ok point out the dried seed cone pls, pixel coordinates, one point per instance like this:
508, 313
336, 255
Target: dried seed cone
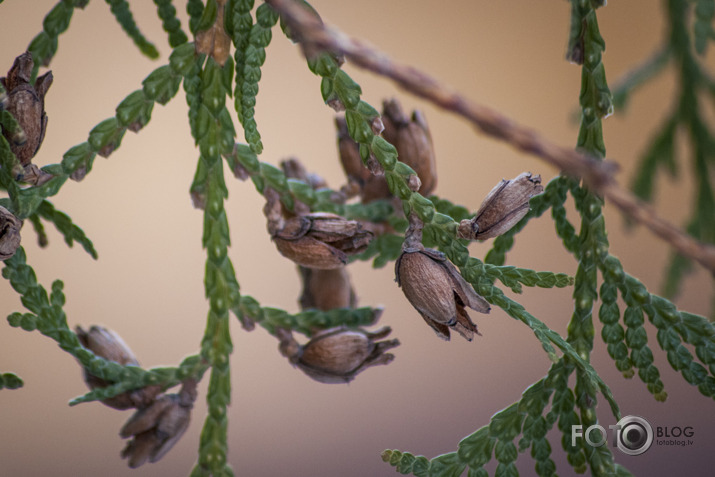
337, 355
110, 346
155, 429
26, 102
438, 292
505, 205
321, 240
9, 233
326, 289
413, 141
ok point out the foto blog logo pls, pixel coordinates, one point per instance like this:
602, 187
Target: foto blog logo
632, 435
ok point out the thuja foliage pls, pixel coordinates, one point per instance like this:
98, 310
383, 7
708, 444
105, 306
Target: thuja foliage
214, 82
690, 25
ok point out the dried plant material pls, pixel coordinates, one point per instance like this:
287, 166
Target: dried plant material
370, 182
439, 293
326, 289
321, 240
35, 176
239, 171
215, 41
413, 141
504, 206
337, 355
79, 173
198, 199
318, 240
9, 233
435, 287
26, 102
414, 183
155, 429
110, 346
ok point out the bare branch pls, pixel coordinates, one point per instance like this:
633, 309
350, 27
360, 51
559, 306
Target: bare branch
597, 175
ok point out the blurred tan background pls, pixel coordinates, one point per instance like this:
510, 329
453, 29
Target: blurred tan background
148, 282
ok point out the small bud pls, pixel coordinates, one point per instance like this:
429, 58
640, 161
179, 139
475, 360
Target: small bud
198, 199
377, 126
439, 293
156, 428
79, 173
9, 233
110, 346
414, 183
336, 105
412, 139
337, 355
504, 206
326, 289
321, 240
26, 102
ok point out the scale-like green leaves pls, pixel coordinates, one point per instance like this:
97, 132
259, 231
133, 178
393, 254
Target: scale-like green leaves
132, 113
64, 225
47, 316
44, 46
213, 131
170, 22
120, 10
250, 56
308, 321
689, 24
554, 401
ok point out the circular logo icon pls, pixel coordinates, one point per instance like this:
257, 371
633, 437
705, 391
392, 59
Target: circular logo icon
634, 435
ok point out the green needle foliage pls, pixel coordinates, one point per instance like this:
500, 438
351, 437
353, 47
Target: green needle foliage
568, 393
690, 32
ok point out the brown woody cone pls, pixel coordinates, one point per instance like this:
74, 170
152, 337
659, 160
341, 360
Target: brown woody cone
26, 102
110, 346
505, 205
9, 233
337, 355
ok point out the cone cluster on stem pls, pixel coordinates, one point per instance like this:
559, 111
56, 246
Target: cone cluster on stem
159, 420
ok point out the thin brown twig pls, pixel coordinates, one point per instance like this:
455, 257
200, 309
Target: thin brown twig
597, 175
